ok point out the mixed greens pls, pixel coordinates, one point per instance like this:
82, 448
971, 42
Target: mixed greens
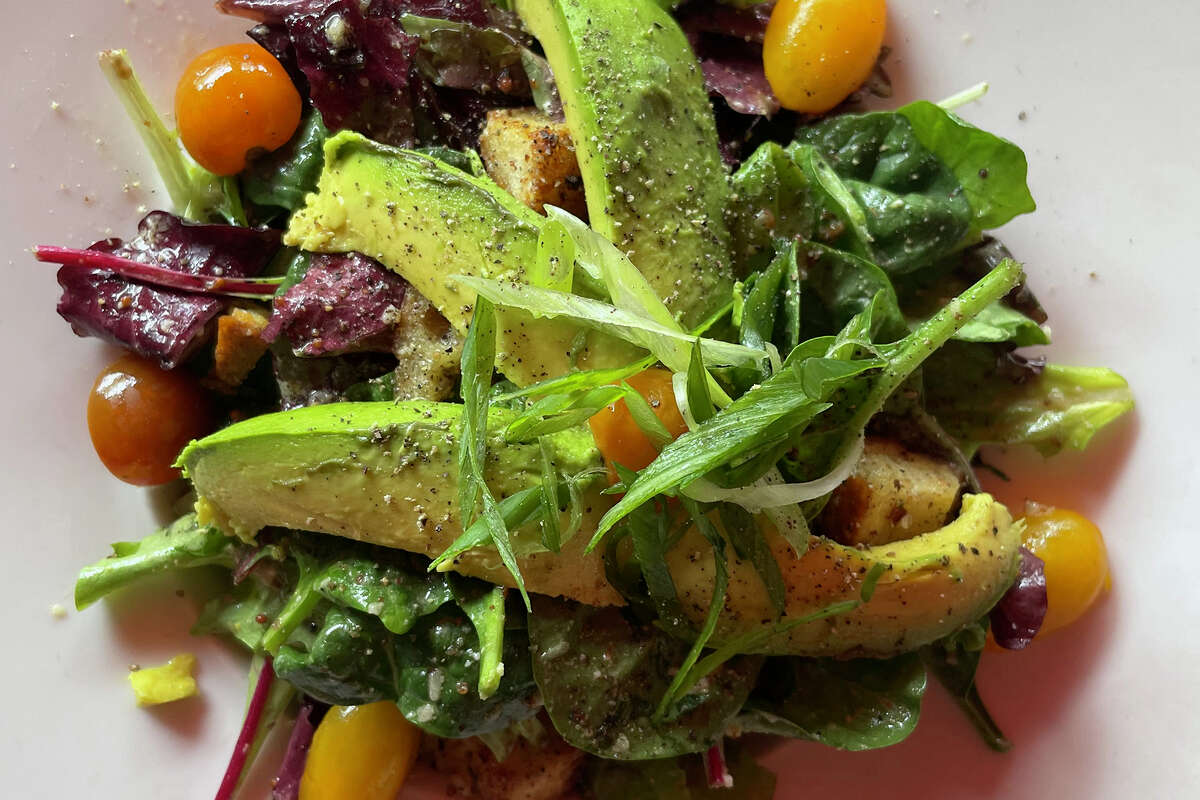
805, 285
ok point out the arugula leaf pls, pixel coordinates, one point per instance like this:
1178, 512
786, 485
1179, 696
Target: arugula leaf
478, 364
576, 648
183, 543
668, 343
982, 394
851, 705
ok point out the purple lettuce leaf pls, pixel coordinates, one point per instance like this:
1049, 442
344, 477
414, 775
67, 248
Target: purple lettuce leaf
345, 303
155, 322
364, 72
1018, 616
708, 16
742, 83
291, 770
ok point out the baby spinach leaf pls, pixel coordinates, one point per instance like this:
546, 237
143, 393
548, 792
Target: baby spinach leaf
183, 543
577, 648
396, 596
984, 394
244, 614
278, 181
772, 199
991, 170
838, 285
352, 659
852, 705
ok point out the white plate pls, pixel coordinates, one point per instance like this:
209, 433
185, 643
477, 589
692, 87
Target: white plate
1102, 100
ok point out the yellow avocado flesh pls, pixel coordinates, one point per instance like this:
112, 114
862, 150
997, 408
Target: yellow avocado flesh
428, 221
933, 585
386, 473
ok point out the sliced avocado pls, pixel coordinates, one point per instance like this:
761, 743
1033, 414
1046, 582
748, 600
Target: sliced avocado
386, 473
427, 221
933, 585
644, 132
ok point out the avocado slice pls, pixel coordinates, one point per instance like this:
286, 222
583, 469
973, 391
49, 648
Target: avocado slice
646, 139
386, 473
427, 220
933, 585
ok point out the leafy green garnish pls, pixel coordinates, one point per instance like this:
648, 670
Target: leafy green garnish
195, 192
478, 363
954, 661
279, 181
184, 543
851, 705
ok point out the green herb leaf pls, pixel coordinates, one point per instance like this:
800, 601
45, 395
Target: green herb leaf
485, 609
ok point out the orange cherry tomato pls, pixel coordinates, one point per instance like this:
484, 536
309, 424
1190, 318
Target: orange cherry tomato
619, 438
1076, 563
233, 101
360, 753
816, 52
140, 416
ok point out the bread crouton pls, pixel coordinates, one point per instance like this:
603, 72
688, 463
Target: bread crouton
894, 493
533, 158
239, 344
428, 351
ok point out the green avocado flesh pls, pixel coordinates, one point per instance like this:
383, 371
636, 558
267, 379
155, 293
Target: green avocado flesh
933, 584
386, 473
644, 132
428, 221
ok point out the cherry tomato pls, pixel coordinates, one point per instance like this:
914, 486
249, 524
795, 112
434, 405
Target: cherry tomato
140, 416
360, 753
619, 438
233, 101
817, 52
1076, 563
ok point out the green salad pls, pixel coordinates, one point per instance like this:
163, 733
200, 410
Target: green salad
573, 393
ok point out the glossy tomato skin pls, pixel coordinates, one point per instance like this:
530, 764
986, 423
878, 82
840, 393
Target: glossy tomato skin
619, 438
140, 416
233, 101
360, 753
1076, 560
816, 52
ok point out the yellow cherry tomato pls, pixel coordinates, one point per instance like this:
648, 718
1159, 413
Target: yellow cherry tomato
1076, 563
360, 753
233, 101
619, 438
817, 52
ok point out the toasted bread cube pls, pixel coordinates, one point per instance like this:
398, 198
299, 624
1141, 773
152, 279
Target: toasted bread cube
894, 493
533, 158
239, 344
428, 351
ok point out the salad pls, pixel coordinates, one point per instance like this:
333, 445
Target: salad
571, 393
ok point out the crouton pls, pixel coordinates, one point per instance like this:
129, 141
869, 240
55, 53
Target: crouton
544, 770
428, 351
533, 158
239, 345
893, 493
